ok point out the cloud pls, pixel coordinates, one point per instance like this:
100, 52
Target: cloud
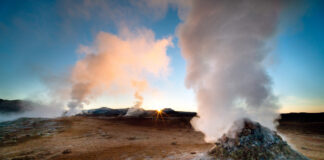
119, 64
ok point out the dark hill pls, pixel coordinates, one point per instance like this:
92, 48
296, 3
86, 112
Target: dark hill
302, 117
14, 106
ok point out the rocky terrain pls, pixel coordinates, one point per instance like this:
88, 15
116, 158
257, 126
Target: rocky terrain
166, 135
112, 138
23, 129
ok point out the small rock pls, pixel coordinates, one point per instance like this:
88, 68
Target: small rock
246, 132
174, 143
250, 125
131, 138
105, 135
224, 139
67, 151
192, 152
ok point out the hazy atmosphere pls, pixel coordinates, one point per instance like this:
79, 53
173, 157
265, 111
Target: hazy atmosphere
233, 74
44, 42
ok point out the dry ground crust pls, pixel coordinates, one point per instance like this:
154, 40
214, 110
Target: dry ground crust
307, 138
105, 138
114, 138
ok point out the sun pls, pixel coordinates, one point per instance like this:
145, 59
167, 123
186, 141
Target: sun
159, 114
159, 111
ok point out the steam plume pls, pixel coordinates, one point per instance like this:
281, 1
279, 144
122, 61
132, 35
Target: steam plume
118, 64
140, 87
139, 99
224, 43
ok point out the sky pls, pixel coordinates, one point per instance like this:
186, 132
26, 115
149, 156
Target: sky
40, 42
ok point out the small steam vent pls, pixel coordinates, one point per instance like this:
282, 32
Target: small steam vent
253, 141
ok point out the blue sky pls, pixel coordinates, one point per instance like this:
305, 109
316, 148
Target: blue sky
41, 38
298, 74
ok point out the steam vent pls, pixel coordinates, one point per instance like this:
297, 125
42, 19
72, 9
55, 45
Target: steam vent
254, 142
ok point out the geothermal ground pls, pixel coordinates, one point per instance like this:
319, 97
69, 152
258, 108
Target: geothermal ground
102, 137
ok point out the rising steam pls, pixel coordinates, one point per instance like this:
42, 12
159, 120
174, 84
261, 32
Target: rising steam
118, 64
224, 44
139, 99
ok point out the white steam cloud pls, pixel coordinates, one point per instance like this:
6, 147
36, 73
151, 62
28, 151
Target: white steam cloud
224, 44
118, 64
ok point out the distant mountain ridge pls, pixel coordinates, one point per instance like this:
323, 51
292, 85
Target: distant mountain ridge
285, 117
302, 117
14, 106
104, 111
19, 106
